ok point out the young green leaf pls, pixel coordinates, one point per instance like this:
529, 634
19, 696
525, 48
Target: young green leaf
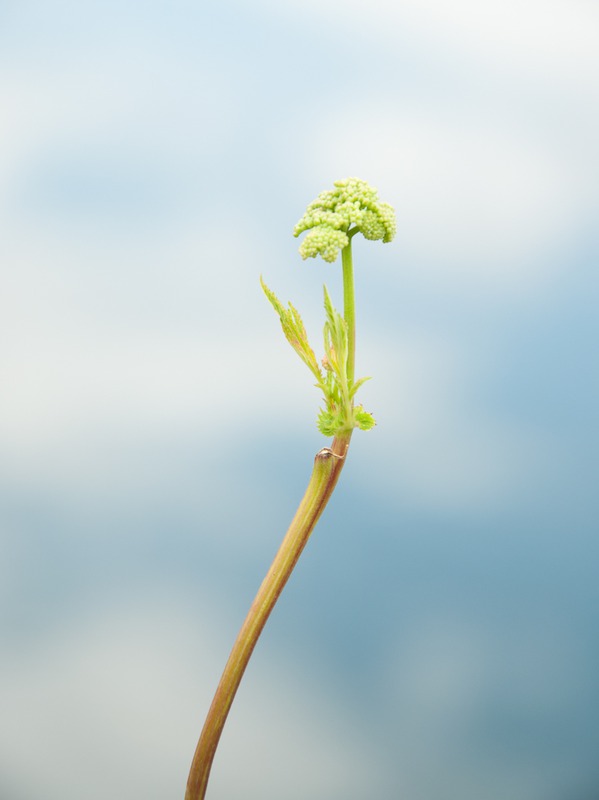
357, 385
363, 420
294, 331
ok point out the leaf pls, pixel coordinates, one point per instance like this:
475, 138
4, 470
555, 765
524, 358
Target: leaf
335, 336
338, 414
364, 421
294, 331
328, 423
357, 385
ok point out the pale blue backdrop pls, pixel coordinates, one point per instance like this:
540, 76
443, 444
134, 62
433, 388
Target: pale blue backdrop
440, 638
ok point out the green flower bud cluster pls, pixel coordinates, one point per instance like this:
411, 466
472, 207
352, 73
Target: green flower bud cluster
329, 219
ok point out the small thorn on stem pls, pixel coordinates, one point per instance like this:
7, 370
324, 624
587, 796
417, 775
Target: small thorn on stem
326, 452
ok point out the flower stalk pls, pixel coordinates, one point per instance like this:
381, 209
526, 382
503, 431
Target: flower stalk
349, 304
332, 220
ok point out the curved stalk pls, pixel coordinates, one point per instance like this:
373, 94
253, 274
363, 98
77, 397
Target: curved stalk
328, 464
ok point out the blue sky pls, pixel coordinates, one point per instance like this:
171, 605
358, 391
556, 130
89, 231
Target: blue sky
439, 638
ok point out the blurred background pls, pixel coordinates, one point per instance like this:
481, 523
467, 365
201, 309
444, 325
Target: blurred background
439, 638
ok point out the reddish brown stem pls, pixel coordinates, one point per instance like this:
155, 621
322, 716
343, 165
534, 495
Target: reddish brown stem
328, 464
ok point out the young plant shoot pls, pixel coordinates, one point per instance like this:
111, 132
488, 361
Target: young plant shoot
331, 222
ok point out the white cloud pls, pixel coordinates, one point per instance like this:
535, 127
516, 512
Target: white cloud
436, 447
124, 340
545, 40
111, 705
130, 99
93, 397
549, 40
478, 203
479, 124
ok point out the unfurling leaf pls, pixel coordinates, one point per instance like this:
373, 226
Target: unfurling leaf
294, 331
364, 420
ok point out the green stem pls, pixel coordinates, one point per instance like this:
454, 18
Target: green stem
349, 305
328, 464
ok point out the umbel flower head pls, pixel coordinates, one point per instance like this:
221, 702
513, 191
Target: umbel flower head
352, 206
